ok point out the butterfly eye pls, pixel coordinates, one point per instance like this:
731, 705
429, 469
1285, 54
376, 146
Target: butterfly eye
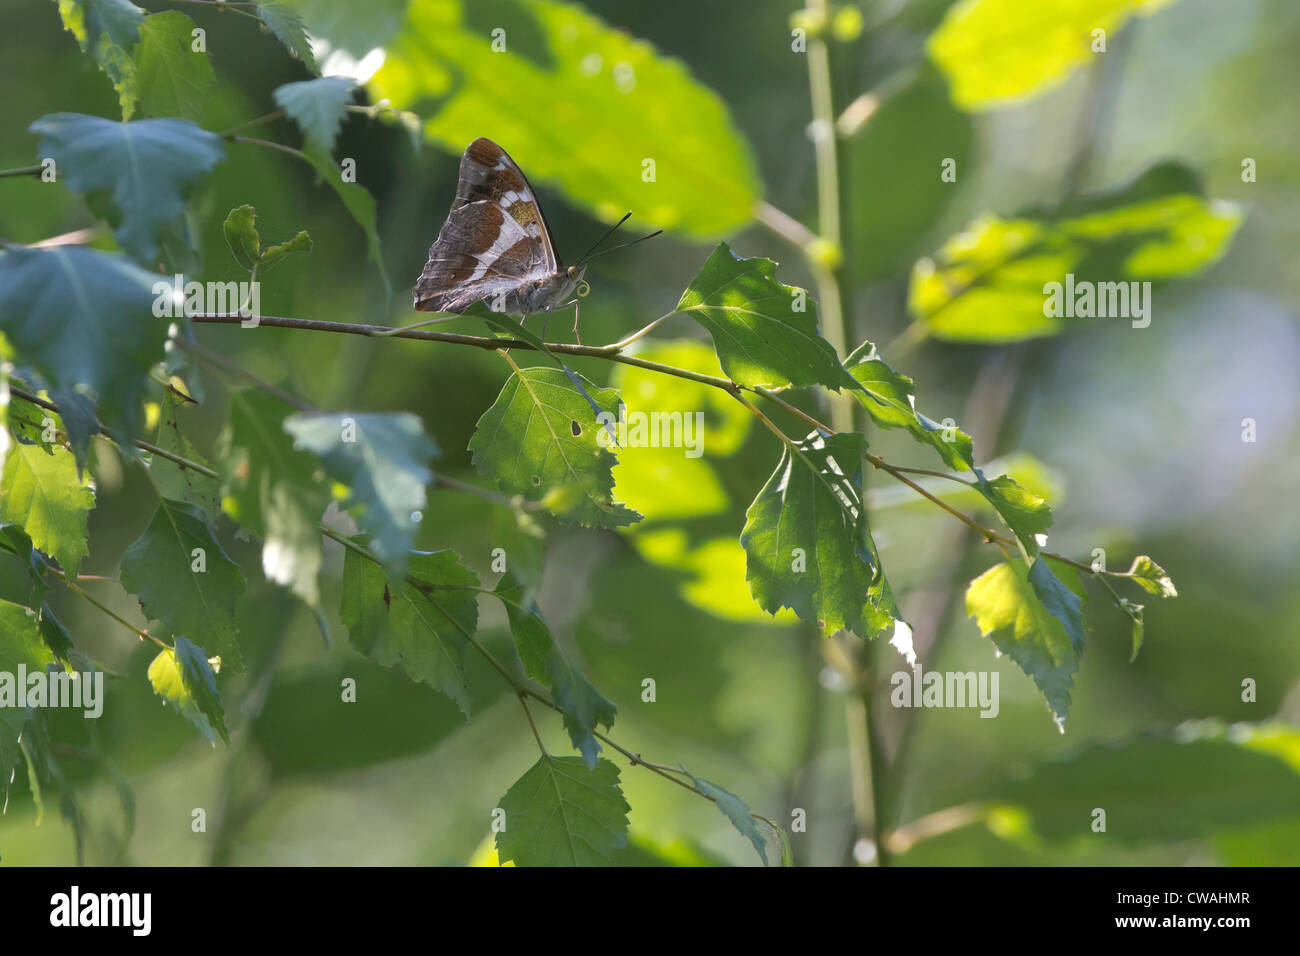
573, 273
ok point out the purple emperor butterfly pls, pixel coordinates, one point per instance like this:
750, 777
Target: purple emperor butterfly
496, 246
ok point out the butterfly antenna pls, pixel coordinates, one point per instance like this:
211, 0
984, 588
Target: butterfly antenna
611, 231
622, 245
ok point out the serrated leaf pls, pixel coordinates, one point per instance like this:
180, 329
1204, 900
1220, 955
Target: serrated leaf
1006, 605
272, 488
1151, 577
317, 107
83, 321
383, 458
146, 168
176, 481
582, 707
561, 813
539, 440
765, 333
808, 543
42, 493
625, 101
285, 23
108, 30
184, 579
20, 644
425, 629
184, 679
360, 206
735, 810
174, 79
997, 52
1049, 269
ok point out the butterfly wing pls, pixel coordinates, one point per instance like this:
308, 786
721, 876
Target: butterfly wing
481, 251
488, 173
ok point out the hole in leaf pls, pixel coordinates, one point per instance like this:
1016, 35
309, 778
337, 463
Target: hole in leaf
575, 427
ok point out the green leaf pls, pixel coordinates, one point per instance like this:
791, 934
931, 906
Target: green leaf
426, 629
383, 458
274, 255
1011, 606
174, 79
317, 107
1151, 577
808, 543
765, 333
625, 102
540, 440
83, 320
735, 810
581, 705
176, 481
360, 206
245, 242
108, 30
285, 23
272, 489
997, 52
1003, 280
1202, 779
184, 579
146, 169
20, 643
42, 492
560, 813
240, 229
184, 678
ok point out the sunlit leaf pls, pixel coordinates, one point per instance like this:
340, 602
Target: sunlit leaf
1045, 270
540, 440
317, 107
809, 544
183, 677
765, 332
565, 77
42, 492
108, 30
998, 51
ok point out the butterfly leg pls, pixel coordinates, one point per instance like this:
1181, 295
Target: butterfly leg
576, 314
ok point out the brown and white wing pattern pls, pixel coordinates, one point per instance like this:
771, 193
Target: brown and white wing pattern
488, 173
495, 245
481, 253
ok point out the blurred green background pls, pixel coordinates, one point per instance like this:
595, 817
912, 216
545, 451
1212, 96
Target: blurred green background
1141, 431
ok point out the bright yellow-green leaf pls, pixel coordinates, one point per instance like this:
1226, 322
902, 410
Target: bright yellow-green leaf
577, 104
42, 492
999, 51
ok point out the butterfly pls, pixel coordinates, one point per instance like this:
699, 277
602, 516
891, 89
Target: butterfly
496, 246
